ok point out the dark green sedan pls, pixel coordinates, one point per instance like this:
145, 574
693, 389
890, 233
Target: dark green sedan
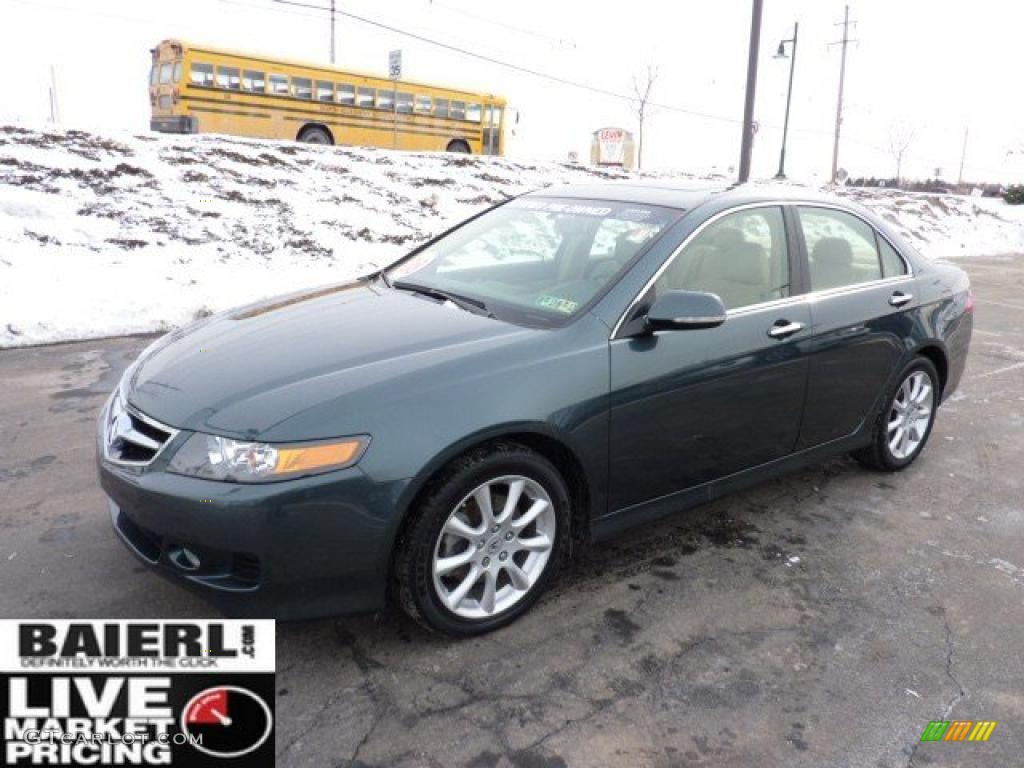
565, 365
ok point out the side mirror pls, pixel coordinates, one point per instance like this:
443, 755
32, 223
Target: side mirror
685, 310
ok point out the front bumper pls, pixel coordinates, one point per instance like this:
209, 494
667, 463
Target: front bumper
302, 548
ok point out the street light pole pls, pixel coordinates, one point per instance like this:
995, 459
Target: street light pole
747, 145
789, 95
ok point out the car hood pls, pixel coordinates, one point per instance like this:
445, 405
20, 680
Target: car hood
300, 367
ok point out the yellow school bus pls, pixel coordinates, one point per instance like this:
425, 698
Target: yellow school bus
194, 89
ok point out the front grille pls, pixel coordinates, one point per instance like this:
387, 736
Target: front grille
130, 437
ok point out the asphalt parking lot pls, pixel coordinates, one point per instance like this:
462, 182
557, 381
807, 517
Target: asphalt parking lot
819, 620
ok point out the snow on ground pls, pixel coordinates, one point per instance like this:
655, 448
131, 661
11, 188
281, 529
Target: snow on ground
112, 234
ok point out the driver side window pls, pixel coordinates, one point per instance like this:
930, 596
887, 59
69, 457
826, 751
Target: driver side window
741, 257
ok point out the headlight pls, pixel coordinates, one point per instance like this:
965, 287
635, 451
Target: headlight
220, 458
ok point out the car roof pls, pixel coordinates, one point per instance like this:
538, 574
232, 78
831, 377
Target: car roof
687, 194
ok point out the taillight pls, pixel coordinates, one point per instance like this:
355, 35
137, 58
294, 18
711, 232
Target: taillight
175, 95
152, 97
970, 300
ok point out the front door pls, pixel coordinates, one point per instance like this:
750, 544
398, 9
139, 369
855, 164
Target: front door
692, 406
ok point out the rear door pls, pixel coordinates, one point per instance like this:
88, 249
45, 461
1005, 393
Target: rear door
692, 406
861, 293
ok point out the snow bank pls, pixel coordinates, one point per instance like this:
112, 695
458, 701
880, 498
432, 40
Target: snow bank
112, 234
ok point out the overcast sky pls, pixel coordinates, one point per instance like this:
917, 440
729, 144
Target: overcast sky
932, 67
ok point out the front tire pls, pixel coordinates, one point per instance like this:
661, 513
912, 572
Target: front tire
485, 542
905, 423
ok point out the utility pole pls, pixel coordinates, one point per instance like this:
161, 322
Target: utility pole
842, 79
747, 144
54, 104
332, 11
963, 156
332, 31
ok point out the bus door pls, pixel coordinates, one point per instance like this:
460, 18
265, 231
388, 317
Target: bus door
492, 129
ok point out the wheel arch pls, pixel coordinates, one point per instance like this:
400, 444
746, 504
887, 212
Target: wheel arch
459, 143
938, 356
322, 126
541, 438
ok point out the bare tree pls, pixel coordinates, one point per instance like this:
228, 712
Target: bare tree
642, 94
901, 136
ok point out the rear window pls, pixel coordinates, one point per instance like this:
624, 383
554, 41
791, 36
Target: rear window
165, 73
177, 72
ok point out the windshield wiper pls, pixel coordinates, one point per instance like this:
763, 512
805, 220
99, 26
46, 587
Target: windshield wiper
463, 302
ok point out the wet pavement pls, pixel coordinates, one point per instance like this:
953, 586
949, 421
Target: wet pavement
821, 619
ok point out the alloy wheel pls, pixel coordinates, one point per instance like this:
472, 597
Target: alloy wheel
494, 547
910, 415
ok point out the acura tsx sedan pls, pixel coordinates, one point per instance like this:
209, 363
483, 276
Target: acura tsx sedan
563, 366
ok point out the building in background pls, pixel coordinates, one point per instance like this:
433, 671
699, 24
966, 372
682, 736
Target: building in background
613, 146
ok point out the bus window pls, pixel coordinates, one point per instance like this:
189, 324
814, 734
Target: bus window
229, 77
473, 113
201, 74
324, 91
279, 84
458, 110
165, 74
384, 99
364, 97
403, 102
177, 72
424, 104
346, 94
252, 80
302, 88
441, 107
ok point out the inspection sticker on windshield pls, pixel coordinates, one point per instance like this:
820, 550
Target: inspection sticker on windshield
137, 693
568, 306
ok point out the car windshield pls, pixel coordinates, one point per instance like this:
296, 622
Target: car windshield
535, 260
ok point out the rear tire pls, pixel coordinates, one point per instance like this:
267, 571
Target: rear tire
315, 135
503, 563
458, 146
904, 424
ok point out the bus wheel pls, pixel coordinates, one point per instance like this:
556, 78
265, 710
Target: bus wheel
458, 146
315, 135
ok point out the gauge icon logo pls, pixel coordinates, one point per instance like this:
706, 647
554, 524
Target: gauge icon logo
227, 721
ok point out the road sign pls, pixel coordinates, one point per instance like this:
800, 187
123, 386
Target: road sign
395, 65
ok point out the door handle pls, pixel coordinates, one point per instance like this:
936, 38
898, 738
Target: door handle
900, 298
784, 328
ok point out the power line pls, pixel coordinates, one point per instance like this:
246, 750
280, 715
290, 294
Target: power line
506, 64
501, 24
